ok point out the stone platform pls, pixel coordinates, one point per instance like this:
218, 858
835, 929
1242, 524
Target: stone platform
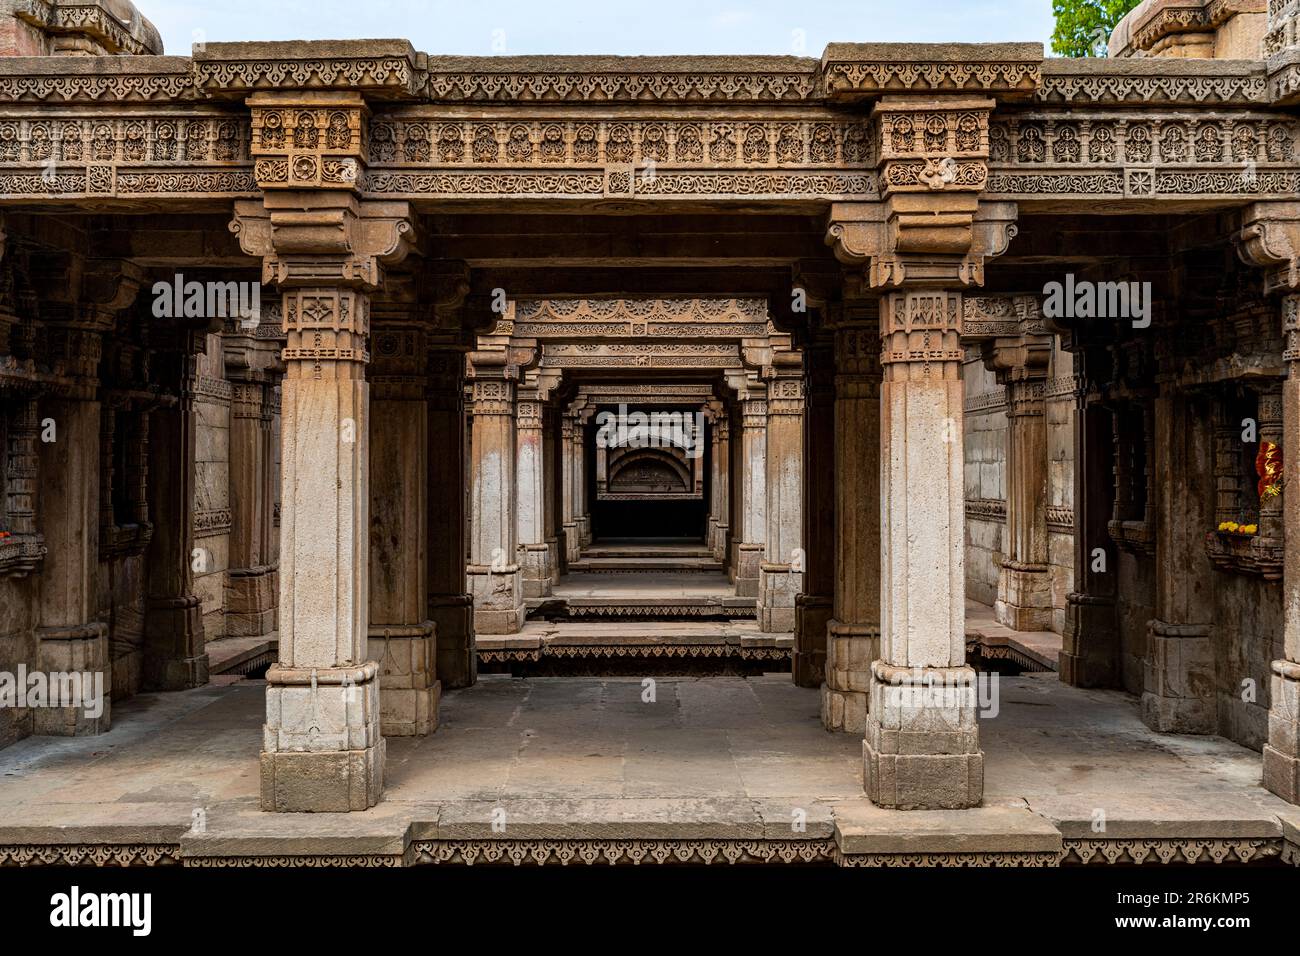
715, 770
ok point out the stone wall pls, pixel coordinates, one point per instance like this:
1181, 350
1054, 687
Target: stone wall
1196, 29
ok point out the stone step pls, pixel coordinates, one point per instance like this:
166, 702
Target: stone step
664, 565
644, 607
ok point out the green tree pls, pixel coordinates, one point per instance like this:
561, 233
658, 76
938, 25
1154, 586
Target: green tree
1084, 26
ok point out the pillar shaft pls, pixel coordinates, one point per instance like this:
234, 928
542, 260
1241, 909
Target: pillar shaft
1178, 678
753, 501
1282, 752
1024, 601
1090, 644
530, 503
323, 749
721, 488
853, 641
781, 572
451, 608
494, 573
252, 578
813, 608
174, 655
922, 744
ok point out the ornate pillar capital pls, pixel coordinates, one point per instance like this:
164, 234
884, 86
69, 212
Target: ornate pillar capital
1270, 238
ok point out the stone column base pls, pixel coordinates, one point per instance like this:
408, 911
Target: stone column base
850, 650
720, 533
250, 601
1024, 601
80, 649
322, 748
453, 616
812, 614
922, 744
749, 560
778, 587
536, 569
1178, 684
498, 599
584, 530
1282, 752
1090, 642
173, 628
409, 690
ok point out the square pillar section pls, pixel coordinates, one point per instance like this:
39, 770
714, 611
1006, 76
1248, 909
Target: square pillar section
324, 247
753, 463
530, 474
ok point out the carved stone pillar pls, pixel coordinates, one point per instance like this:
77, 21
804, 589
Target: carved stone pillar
568, 478
552, 489
252, 579
174, 656
81, 301
451, 608
922, 743
1090, 644
1178, 683
70, 639
781, 572
814, 607
853, 641
403, 640
530, 497
753, 479
1024, 601
581, 481
325, 248
494, 574
1282, 752
721, 540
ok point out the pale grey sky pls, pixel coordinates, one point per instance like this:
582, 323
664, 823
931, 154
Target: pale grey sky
630, 27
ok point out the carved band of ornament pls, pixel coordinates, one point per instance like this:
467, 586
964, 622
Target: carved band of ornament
1210, 850
210, 523
1060, 519
643, 310
1064, 386
878, 77
1098, 156
986, 402
114, 88
619, 183
465, 86
345, 73
213, 390
398, 141
692, 391
986, 509
1088, 87
932, 174
85, 138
